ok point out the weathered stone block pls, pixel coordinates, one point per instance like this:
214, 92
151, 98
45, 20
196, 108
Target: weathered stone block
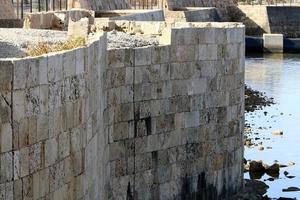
143, 56
51, 151
161, 54
63, 145
79, 28
6, 75
6, 168
6, 137
207, 52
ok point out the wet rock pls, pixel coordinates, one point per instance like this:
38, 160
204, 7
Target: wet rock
291, 189
255, 100
248, 142
256, 166
277, 132
273, 170
290, 177
261, 148
253, 190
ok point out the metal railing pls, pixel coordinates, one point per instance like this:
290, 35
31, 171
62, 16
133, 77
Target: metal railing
270, 2
28, 6
146, 4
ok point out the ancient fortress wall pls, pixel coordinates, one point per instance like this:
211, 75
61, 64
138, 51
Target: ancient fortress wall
6, 10
52, 138
161, 122
175, 116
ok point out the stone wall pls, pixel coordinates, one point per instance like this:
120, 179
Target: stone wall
221, 5
192, 15
162, 122
6, 10
284, 20
99, 4
175, 116
51, 128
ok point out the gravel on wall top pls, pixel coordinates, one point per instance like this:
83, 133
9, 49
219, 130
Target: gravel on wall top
118, 40
14, 41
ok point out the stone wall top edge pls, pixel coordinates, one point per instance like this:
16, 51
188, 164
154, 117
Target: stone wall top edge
63, 11
179, 25
129, 11
183, 24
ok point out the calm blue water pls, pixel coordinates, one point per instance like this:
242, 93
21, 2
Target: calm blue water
279, 77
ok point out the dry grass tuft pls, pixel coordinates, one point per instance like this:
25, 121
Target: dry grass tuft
44, 48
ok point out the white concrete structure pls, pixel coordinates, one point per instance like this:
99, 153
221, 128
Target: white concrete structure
273, 43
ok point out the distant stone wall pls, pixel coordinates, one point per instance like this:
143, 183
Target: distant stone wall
284, 20
161, 122
221, 5
269, 19
99, 4
6, 10
192, 15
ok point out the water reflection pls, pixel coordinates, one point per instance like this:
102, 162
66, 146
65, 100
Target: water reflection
279, 77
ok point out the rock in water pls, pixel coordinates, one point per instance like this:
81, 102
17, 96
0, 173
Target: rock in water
291, 189
256, 166
273, 170
277, 132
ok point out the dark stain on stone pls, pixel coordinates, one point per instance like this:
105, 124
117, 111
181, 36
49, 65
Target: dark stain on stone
155, 192
129, 195
204, 191
148, 125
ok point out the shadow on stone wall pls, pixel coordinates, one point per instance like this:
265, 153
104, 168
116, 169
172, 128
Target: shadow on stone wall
252, 28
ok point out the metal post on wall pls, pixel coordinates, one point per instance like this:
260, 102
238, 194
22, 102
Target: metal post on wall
46, 5
39, 5
18, 8
30, 5
22, 9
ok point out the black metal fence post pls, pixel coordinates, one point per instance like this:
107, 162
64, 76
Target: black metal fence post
22, 9
39, 5
46, 5
30, 6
